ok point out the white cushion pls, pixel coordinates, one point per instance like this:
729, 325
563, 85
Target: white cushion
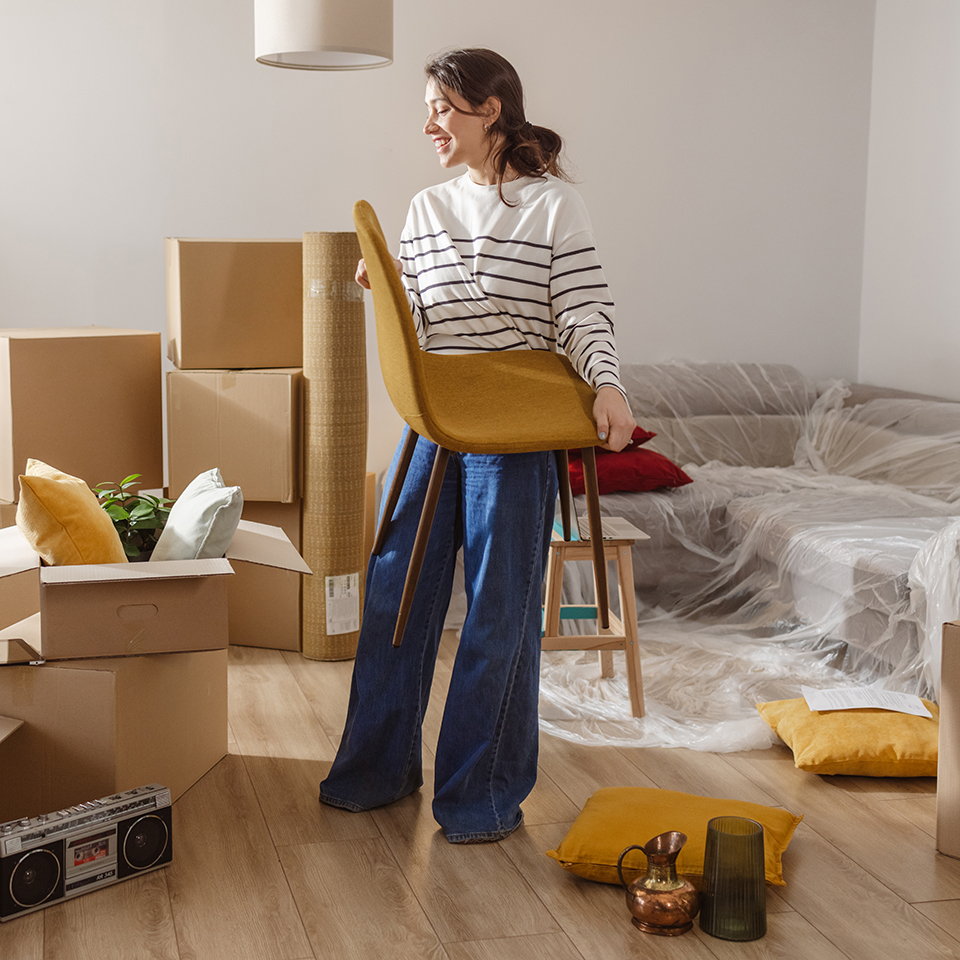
202, 521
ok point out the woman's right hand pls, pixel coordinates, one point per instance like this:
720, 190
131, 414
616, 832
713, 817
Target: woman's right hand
361, 275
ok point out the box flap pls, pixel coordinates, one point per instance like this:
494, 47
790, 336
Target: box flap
16, 554
149, 570
7, 726
266, 545
27, 631
70, 333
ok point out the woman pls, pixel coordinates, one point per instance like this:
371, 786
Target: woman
501, 258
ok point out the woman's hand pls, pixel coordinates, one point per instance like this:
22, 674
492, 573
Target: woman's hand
361, 275
615, 422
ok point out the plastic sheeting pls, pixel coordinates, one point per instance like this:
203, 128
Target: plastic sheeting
819, 544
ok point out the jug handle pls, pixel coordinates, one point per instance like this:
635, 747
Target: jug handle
620, 863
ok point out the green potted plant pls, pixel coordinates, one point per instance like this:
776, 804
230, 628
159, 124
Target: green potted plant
139, 518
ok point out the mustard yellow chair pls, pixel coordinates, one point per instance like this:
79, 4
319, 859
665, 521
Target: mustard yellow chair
514, 401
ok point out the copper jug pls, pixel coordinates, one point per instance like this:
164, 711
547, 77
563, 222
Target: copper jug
660, 901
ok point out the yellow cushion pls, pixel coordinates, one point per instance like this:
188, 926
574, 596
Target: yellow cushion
865, 743
62, 519
614, 818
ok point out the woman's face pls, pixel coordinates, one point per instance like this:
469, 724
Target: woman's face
458, 134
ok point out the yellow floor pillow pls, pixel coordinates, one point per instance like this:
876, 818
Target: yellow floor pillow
616, 817
861, 742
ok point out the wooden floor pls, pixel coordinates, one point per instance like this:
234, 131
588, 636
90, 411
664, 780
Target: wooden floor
262, 871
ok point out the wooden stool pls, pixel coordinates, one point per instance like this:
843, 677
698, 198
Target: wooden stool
618, 539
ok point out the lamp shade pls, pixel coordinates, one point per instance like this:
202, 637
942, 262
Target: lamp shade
324, 34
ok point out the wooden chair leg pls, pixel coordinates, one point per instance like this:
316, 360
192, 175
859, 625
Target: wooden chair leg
563, 475
393, 495
420, 543
592, 490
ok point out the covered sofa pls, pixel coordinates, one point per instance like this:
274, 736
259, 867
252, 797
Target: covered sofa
828, 511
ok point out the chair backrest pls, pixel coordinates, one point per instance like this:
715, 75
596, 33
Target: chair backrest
401, 359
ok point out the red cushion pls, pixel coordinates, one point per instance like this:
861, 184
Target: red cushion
630, 471
638, 436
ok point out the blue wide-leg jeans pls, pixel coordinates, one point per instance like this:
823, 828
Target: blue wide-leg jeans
500, 509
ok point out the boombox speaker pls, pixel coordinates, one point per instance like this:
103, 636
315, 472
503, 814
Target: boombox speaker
55, 856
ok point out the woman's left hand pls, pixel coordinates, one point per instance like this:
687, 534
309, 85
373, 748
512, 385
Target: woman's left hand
615, 423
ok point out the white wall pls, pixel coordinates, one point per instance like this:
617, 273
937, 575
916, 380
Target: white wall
911, 287
720, 145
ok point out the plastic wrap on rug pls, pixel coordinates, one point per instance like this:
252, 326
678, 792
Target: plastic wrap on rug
818, 543
335, 445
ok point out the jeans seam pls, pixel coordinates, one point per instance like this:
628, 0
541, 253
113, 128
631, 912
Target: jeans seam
535, 563
428, 618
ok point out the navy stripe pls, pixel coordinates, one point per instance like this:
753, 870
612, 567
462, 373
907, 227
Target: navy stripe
574, 253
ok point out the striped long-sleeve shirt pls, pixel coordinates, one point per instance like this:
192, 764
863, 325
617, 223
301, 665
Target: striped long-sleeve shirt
482, 275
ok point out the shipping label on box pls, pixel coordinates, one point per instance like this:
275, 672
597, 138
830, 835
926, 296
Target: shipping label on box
235, 304
86, 400
248, 423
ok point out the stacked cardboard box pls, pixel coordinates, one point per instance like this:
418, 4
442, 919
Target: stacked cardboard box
105, 712
235, 334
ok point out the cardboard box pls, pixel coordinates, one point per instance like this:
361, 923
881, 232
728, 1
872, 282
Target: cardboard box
265, 602
86, 400
94, 727
246, 422
124, 609
19, 582
235, 304
948, 765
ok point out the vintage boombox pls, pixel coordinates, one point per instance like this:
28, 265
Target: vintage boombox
55, 856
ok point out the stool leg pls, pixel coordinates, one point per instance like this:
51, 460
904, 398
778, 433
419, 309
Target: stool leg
631, 645
596, 535
563, 475
396, 485
552, 593
420, 543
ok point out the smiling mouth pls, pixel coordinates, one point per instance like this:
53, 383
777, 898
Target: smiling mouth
441, 142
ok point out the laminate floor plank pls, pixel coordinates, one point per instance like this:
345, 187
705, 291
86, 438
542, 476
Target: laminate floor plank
230, 897
447, 878
545, 946
23, 937
286, 752
945, 914
855, 911
579, 770
920, 811
356, 903
86, 927
326, 686
862, 828
692, 771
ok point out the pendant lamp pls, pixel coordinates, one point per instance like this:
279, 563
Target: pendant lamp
324, 34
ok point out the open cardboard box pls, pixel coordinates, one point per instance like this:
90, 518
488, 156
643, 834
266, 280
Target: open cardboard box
79, 730
124, 609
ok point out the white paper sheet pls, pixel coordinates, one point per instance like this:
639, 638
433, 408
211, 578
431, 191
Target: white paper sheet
859, 698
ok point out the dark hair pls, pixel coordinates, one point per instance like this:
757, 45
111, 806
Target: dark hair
475, 74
